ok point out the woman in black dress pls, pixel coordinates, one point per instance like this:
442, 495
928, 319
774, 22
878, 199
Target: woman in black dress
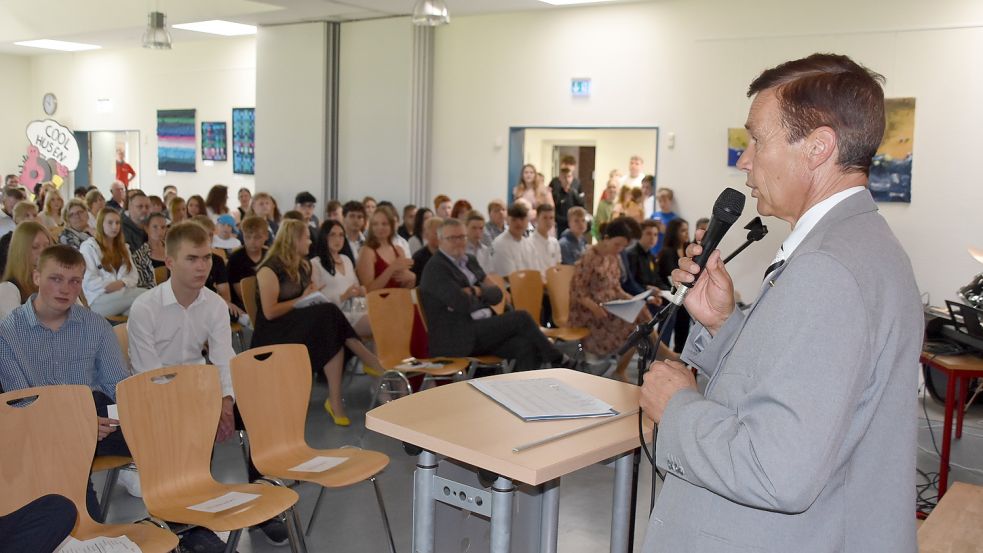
674, 248
283, 278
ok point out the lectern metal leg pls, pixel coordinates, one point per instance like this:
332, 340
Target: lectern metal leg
424, 506
551, 516
501, 519
622, 504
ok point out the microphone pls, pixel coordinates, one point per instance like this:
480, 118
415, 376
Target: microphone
726, 210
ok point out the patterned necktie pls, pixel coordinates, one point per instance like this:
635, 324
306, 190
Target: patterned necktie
778, 262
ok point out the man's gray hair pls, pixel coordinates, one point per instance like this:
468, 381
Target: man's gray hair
447, 223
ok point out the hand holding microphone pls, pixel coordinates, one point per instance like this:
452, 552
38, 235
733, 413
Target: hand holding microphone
711, 299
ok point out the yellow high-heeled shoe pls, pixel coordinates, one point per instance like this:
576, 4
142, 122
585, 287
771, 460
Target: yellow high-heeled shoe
339, 421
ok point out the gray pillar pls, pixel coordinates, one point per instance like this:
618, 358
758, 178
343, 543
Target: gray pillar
421, 115
332, 76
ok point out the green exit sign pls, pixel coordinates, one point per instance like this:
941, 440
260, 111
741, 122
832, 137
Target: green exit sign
580, 88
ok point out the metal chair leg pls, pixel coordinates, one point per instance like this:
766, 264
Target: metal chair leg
385, 517
230, 546
244, 444
317, 509
297, 542
107, 490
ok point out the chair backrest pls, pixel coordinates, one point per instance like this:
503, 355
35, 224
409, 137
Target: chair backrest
497, 280
558, 282
169, 416
391, 319
124, 344
527, 292
249, 297
273, 389
47, 446
160, 275
221, 253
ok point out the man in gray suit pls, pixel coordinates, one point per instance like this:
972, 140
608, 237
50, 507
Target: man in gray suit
804, 439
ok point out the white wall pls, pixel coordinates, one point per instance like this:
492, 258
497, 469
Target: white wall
212, 76
684, 66
18, 104
374, 127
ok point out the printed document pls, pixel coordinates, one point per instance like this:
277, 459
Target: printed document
224, 502
319, 464
538, 399
627, 310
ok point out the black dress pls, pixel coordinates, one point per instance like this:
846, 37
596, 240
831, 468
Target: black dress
323, 328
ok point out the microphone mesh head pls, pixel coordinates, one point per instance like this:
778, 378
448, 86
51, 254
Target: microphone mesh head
729, 205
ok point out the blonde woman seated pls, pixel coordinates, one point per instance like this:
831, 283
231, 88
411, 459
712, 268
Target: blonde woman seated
26, 244
50, 216
596, 280
76, 224
335, 275
284, 278
380, 263
111, 278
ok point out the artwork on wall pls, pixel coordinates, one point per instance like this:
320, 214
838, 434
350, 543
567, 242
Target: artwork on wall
213, 141
890, 172
244, 140
736, 144
176, 140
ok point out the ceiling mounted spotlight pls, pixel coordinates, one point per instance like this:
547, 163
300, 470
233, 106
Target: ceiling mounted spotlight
156, 35
430, 13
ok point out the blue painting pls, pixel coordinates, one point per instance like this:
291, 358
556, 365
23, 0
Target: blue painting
176, 140
890, 172
244, 141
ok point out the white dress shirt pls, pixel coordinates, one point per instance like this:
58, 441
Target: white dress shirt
6, 223
333, 286
164, 333
97, 277
510, 254
401, 243
9, 298
809, 219
483, 254
648, 206
634, 182
545, 252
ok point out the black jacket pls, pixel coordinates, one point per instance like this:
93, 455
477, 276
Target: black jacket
448, 307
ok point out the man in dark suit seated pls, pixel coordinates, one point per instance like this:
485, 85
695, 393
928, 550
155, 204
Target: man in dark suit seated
456, 298
641, 262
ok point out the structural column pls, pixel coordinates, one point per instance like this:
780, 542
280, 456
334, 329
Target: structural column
421, 115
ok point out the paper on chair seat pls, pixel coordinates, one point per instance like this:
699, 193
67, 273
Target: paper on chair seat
101, 544
223, 502
538, 399
319, 464
627, 310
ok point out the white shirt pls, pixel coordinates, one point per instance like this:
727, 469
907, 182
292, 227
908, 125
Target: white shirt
97, 278
402, 244
510, 254
9, 298
483, 254
648, 206
809, 220
545, 252
229, 243
333, 286
164, 333
414, 244
634, 182
356, 245
6, 223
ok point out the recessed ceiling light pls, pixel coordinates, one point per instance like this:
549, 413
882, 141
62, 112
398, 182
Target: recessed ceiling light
58, 45
218, 27
573, 2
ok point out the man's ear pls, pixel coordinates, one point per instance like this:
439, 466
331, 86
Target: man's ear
820, 146
36, 277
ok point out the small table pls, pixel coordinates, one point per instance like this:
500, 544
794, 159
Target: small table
459, 422
959, 369
954, 526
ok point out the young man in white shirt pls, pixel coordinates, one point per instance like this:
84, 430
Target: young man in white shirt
544, 248
511, 248
475, 229
354, 222
635, 172
172, 323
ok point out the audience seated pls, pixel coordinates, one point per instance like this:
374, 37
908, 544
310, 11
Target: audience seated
265, 206
76, 219
496, 222
94, 203
50, 339
29, 239
177, 210
12, 195
245, 197
674, 248
216, 202
50, 215
153, 249
370, 206
409, 217
335, 275
419, 220
460, 210
111, 278
457, 297
511, 251
397, 240
135, 220
306, 204
40, 526
225, 231
117, 199
354, 214
23, 211
442, 206
333, 210
544, 249
596, 280
574, 239
284, 277
642, 263
430, 246
218, 276
195, 206
475, 222
380, 263
242, 262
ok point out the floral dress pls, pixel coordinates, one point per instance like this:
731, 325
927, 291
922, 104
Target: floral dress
598, 278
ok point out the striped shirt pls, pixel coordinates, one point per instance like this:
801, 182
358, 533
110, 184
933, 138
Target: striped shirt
83, 351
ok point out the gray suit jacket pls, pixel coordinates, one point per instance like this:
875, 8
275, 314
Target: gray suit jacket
805, 438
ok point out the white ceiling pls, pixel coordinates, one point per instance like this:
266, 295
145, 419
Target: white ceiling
120, 23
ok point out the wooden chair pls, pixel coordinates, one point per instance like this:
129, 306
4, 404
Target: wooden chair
124, 345
526, 288
391, 319
496, 279
273, 389
161, 274
47, 449
221, 253
249, 297
558, 280
476, 360
169, 417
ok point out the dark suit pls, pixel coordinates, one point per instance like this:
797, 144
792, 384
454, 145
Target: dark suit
644, 268
134, 235
448, 308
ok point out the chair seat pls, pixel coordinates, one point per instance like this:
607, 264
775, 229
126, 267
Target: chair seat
359, 466
236, 327
487, 359
567, 334
272, 501
109, 462
149, 538
453, 366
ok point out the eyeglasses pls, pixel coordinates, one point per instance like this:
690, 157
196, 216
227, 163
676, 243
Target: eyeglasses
456, 237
